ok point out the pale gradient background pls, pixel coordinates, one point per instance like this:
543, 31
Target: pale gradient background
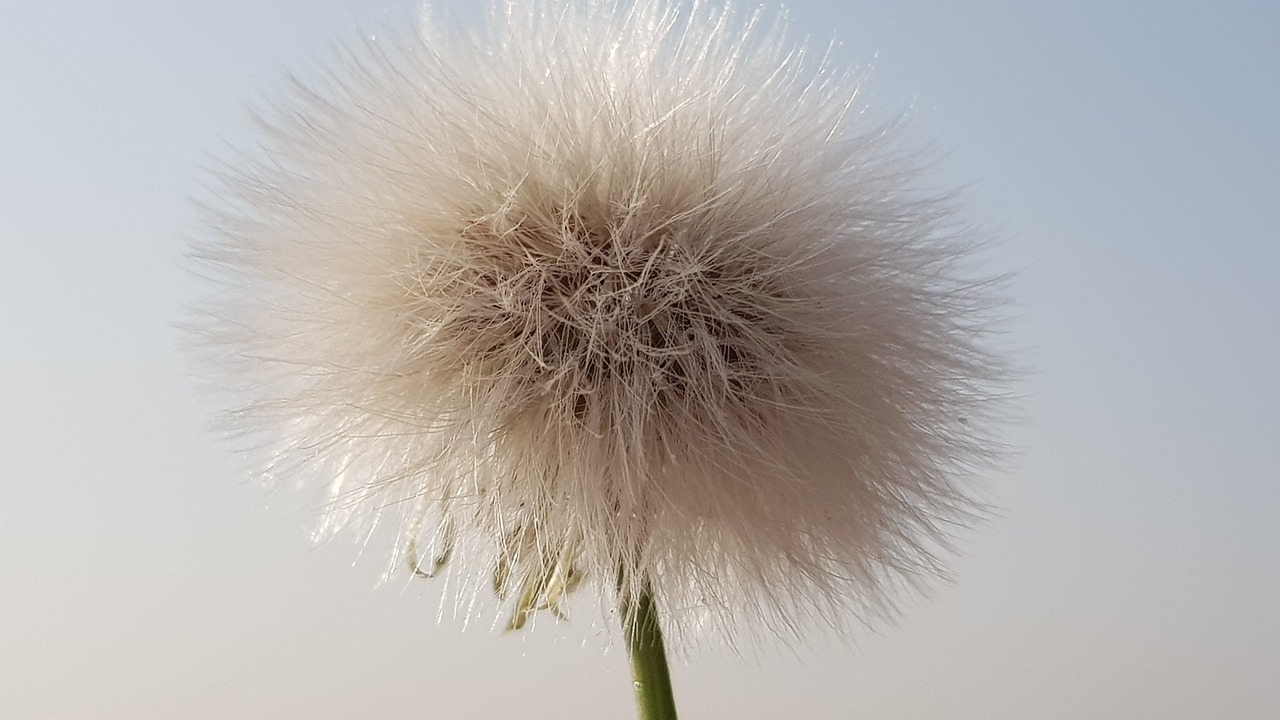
1129, 156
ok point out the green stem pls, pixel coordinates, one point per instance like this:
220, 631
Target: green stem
648, 658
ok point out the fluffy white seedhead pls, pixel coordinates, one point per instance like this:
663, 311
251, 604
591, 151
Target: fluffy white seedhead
617, 296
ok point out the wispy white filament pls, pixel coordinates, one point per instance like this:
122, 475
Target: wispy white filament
604, 291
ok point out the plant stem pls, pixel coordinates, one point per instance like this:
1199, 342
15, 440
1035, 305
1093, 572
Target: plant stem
648, 658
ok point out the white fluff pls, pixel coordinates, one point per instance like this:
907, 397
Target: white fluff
610, 291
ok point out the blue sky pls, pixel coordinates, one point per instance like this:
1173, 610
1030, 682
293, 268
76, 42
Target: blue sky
1124, 154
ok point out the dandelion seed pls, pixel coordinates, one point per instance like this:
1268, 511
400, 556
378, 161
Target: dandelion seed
610, 297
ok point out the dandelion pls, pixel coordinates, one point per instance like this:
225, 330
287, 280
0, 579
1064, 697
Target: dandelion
609, 297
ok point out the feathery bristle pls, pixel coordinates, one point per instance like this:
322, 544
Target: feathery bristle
611, 291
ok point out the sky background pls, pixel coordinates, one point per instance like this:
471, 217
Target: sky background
1125, 154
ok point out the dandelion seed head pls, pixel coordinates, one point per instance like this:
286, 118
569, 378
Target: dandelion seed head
610, 291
